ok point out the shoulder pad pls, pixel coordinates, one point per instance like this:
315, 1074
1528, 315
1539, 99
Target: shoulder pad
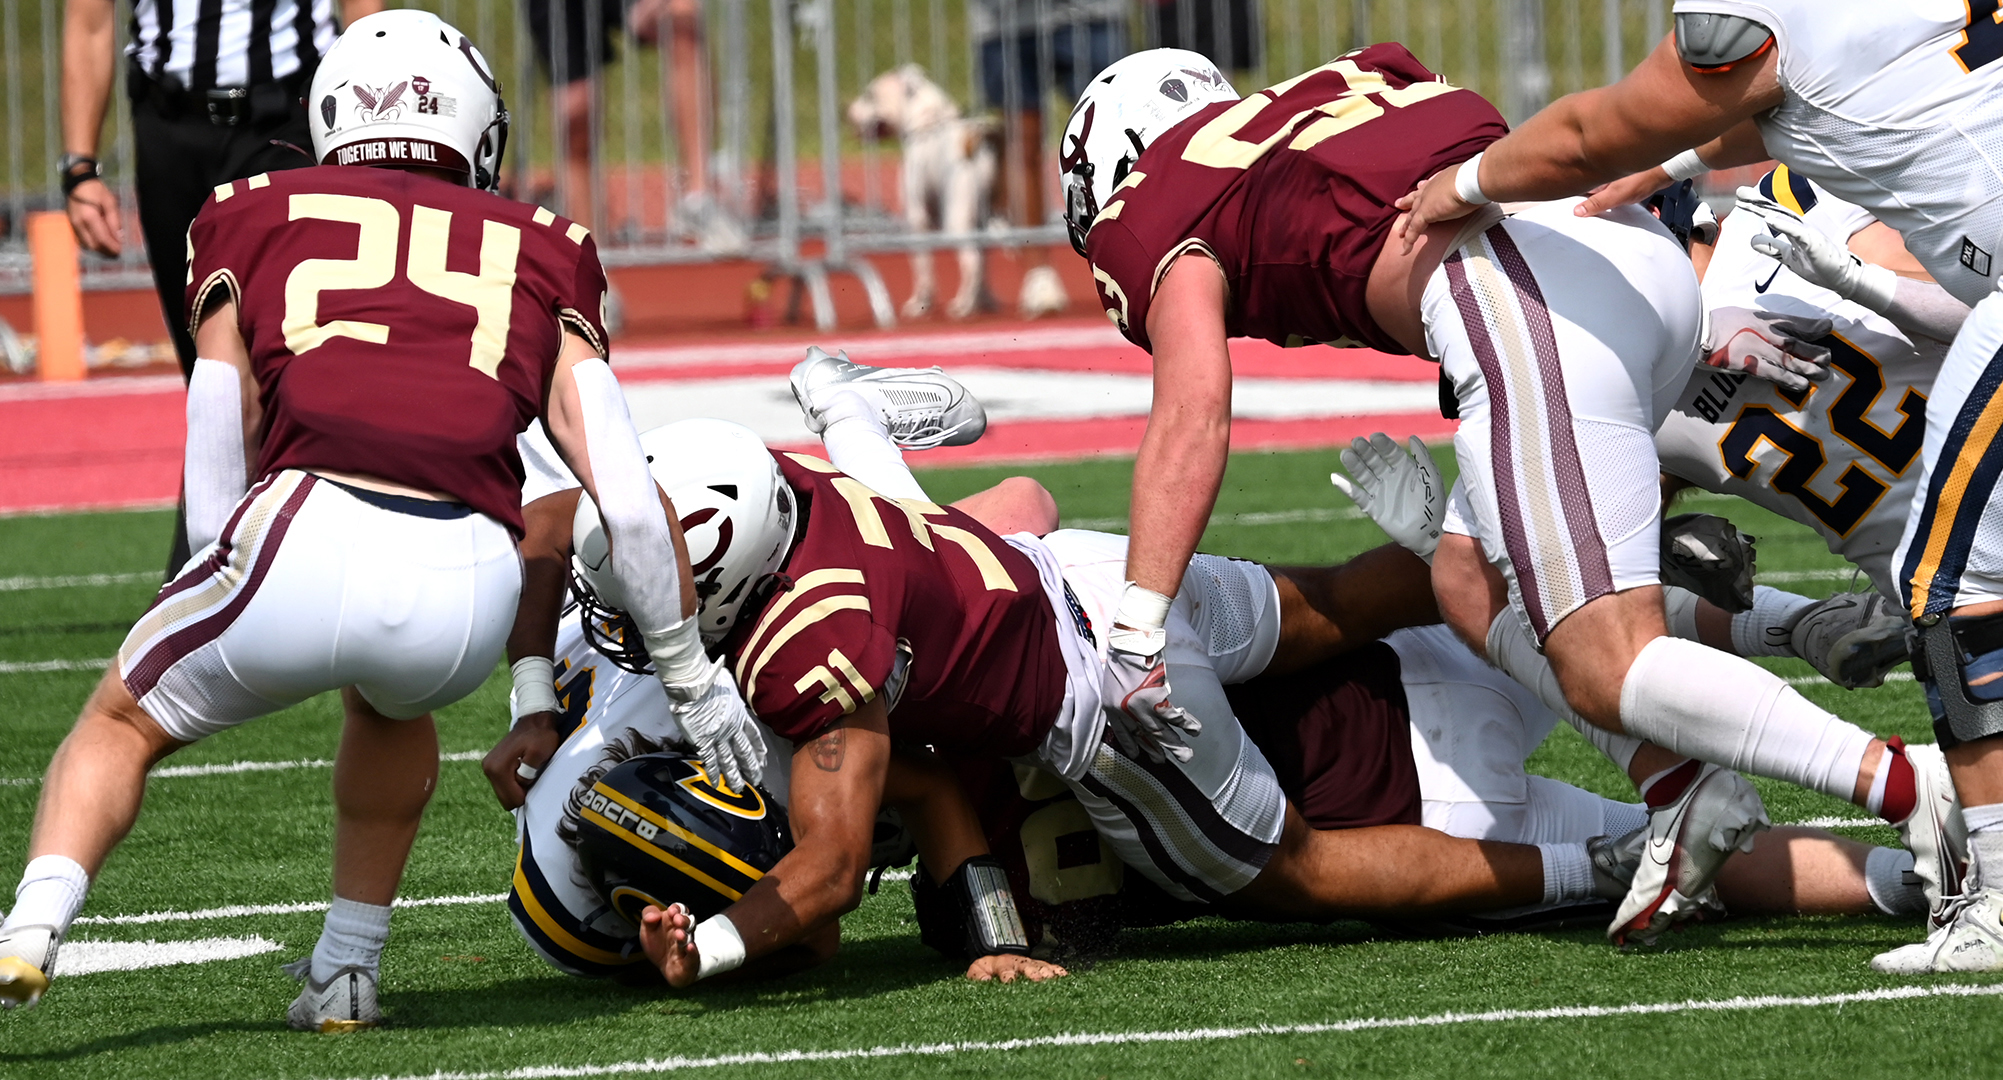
1711, 42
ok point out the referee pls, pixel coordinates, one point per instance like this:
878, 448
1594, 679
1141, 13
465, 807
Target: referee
216, 88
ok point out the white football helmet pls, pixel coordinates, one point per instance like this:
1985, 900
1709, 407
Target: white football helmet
737, 520
403, 87
1126, 107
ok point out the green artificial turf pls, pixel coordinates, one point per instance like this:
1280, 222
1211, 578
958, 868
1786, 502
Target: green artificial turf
467, 996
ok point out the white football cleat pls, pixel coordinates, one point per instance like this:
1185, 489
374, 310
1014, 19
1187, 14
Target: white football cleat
1615, 859
27, 960
923, 407
1934, 832
1970, 939
1042, 293
1853, 639
346, 1002
1688, 842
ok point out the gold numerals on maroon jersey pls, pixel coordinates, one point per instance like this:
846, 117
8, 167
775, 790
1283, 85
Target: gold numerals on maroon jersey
490, 292
1368, 97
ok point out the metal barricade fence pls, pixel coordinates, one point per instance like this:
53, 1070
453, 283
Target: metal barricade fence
705, 130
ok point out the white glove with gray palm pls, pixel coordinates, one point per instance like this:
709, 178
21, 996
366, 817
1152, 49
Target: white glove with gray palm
1820, 259
1401, 491
713, 716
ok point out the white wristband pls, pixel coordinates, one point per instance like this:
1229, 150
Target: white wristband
718, 946
1875, 287
535, 687
1467, 182
1142, 608
1685, 166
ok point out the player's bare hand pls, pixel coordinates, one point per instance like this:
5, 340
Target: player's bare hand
514, 763
1623, 192
1007, 968
1434, 201
93, 211
667, 935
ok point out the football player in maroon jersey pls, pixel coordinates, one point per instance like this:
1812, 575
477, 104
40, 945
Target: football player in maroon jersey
888, 618
372, 341
1564, 341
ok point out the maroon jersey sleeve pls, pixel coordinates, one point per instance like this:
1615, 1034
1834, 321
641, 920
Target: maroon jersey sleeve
873, 578
398, 326
1291, 191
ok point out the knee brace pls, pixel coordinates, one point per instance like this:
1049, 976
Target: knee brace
1951, 651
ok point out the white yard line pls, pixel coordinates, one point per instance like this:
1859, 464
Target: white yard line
24, 667
1220, 1034
1832, 573
1817, 680
91, 957
238, 911
232, 768
79, 581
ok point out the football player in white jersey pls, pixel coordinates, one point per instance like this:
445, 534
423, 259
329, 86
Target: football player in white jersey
1894, 107
1837, 457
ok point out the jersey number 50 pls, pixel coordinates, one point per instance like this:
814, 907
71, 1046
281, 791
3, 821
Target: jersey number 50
490, 293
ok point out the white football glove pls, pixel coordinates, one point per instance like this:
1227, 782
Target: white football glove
713, 716
1134, 687
1766, 345
1401, 491
1816, 256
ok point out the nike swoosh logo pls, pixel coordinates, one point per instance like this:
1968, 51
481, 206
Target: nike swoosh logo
1762, 286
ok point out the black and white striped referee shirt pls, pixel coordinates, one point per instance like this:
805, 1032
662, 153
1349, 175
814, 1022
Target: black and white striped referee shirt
202, 44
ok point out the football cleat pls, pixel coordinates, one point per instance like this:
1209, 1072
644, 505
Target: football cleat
924, 408
1689, 840
1934, 831
1970, 938
346, 1002
1615, 859
1853, 639
27, 960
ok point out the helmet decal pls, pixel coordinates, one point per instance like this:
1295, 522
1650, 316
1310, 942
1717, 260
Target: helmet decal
1174, 90
329, 110
473, 58
1074, 152
380, 105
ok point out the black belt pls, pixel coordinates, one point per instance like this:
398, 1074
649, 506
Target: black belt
404, 504
223, 106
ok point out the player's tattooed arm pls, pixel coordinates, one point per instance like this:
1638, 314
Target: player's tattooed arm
837, 785
830, 750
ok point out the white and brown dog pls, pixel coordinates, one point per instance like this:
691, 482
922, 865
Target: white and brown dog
948, 175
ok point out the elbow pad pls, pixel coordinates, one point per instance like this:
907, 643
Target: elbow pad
1710, 42
214, 473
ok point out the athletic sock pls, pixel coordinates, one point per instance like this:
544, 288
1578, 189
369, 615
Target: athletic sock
1717, 707
1985, 841
1511, 651
1568, 873
1894, 888
1679, 608
1895, 790
859, 444
1667, 786
353, 936
51, 893
1767, 629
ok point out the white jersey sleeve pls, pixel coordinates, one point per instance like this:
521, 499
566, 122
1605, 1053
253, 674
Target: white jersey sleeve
1843, 458
543, 471
602, 706
1897, 107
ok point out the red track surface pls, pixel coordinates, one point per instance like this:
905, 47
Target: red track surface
116, 442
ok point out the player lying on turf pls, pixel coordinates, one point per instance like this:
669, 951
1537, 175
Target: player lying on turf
599, 842
878, 599
1336, 731
1565, 340
375, 395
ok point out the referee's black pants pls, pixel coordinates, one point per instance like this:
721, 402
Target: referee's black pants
181, 158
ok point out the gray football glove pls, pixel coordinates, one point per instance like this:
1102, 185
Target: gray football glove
1709, 556
1400, 488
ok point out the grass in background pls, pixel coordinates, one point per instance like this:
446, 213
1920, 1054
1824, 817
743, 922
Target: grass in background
467, 995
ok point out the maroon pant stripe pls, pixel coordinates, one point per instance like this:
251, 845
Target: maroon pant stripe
200, 573
141, 680
1589, 549
1501, 461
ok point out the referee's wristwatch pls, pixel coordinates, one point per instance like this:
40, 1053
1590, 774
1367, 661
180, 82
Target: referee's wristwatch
74, 169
